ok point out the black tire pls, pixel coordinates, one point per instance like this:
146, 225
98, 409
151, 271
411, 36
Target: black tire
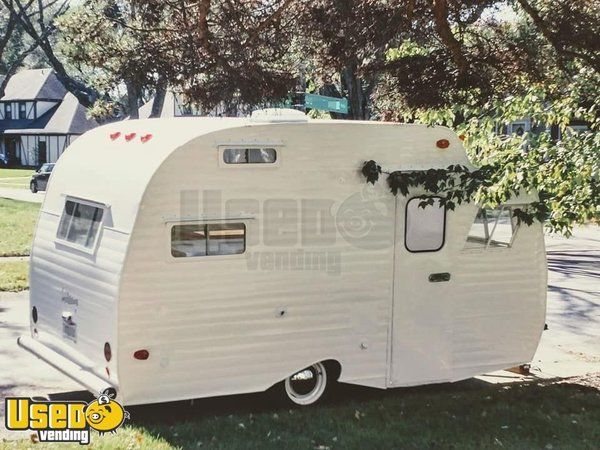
308, 386
33, 187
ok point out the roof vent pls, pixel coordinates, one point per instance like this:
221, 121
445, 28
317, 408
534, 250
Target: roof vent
274, 115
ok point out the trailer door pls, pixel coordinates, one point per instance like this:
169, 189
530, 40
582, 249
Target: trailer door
421, 318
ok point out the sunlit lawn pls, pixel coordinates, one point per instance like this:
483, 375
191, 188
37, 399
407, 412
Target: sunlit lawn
464, 415
14, 276
17, 223
15, 178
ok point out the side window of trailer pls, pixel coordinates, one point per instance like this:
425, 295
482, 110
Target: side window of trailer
259, 155
425, 229
80, 223
191, 240
493, 228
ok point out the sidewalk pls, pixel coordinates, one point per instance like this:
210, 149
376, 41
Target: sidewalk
571, 345
24, 195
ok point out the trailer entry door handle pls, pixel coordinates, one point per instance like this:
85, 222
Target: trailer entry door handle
439, 277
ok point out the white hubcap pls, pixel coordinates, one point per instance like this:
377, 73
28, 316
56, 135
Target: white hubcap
307, 386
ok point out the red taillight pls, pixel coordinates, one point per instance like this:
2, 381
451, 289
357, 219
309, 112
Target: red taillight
130, 136
115, 136
443, 143
141, 354
107, 352
145, 138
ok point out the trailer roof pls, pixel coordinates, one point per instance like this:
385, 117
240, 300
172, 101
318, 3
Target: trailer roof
122, 157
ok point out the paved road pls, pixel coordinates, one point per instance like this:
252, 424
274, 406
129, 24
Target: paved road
24, 195
570, 347
22, 374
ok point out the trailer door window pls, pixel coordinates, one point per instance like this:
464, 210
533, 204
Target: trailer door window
208, 240
80, 223
493, 228
249, 155
425, 227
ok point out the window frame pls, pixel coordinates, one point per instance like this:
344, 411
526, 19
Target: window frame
8, 114
92, 249
205, 224
22, 109
489, 232
421, 198
246, 166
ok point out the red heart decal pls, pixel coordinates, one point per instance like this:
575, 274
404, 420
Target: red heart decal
115, 136
129, 137
145, 138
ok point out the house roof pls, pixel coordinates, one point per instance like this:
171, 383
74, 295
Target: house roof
168, 109
67, 117
35, 84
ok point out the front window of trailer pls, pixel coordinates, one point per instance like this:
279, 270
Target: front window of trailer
493, 227
80, 223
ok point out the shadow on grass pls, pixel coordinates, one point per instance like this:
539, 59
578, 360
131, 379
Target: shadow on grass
468, 414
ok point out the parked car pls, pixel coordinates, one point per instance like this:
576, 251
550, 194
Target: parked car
39, 180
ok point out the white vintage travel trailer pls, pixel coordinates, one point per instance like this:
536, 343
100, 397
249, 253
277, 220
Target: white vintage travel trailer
186, 258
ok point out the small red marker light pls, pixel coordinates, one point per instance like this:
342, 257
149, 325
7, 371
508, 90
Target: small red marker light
130, 136
462, 137
141, 354
443, 143
107, 351
115, 136
145, 138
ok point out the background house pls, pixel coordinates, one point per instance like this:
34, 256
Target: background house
39, 118
176, 106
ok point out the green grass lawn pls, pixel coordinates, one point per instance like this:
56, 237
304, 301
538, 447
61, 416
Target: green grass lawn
465, 415
17, 223
16, 173
15, 178
14, 276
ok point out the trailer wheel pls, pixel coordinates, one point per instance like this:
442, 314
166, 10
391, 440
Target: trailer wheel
307, 386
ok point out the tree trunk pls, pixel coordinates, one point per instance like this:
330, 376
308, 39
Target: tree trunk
133, 95
357, 103
86, 95
159, 98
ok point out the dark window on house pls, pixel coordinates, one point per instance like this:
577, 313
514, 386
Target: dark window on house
42, 152
8, 111
22, 110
